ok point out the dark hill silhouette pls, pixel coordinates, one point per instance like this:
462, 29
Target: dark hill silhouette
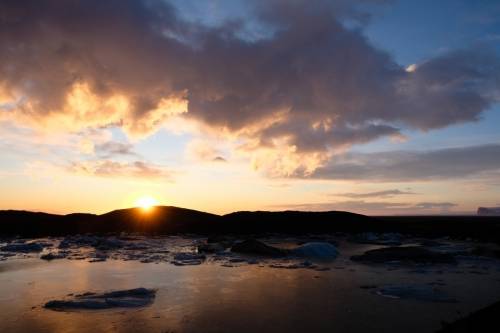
172, 220
295, 222
161, 219
175, 220
25, 223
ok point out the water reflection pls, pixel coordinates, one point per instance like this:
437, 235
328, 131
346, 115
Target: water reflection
211, 298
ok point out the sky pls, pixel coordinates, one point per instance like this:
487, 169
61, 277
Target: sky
371, 106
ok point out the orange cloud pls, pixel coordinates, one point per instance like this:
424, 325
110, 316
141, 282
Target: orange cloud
84, 109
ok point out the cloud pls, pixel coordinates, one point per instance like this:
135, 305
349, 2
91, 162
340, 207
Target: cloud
219, 159
377, 194
112, 148
114, 169
394, 166
205, 151
375, 208
296, 96
431, 205
22, 140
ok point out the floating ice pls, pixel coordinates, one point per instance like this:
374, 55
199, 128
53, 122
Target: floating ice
183, 259
409, 254
255, 247
115, 299
388, 238
100, 243
211, 247
22, 247
424, 292
316, 250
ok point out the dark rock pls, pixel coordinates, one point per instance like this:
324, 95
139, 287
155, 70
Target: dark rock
219, 239
453, 249
211, 247
254, 247
390, 239
64, 244
484, 251
224, 241
105, 244
51, 256
412, 254
368, 286
430, 243
484, 320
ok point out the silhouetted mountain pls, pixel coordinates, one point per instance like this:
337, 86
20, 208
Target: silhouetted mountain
488, 211
24, 223
161, 219
295, 222
172, 220
175, 220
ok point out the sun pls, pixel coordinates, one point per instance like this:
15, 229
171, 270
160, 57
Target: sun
146, 203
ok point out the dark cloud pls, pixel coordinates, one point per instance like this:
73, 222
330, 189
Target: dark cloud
219, 159
413, 165
113, 148
431, 205
113, 47
377, 194
312, 82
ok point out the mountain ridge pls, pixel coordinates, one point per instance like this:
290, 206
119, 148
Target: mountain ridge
168, 220
178, 220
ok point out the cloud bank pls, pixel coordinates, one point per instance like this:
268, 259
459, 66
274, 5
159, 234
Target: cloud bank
306, 90
395, 166
377, 194
376, 208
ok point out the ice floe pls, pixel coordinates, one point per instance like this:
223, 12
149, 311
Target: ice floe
276, 251
255, 247
23, 247
183, 259
130, 298
316, 250
419, 292
409, 254
389, 238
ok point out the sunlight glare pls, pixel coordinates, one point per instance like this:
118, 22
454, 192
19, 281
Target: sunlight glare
146, 203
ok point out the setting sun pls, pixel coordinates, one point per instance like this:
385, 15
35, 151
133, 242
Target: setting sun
146, 202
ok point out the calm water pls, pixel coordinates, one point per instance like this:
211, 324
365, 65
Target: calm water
248, 298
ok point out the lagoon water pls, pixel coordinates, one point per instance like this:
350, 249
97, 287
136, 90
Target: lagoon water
338, 296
